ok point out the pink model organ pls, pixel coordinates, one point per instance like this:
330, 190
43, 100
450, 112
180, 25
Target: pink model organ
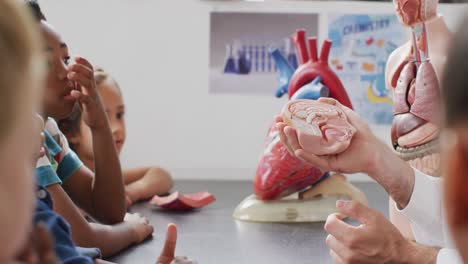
322, 128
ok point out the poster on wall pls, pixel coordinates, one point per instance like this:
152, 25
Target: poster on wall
240, 61
361, 46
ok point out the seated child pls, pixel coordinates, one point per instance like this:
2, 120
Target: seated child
21, 81
71, 185
21, 77
141, 183
19, 138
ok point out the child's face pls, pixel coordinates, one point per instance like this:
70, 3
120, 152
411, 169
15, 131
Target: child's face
115, 110
57, 101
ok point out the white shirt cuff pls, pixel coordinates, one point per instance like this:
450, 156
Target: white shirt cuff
448, 256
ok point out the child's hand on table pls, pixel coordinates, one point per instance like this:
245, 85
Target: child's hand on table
140, 225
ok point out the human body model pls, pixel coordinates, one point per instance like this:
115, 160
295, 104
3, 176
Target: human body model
413, 73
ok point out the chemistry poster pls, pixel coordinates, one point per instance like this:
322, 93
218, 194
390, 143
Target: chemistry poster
240, 61
361, 46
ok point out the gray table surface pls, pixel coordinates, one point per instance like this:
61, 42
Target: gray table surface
212, 236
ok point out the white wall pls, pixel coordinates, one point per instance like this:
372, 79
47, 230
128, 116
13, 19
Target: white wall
159, 52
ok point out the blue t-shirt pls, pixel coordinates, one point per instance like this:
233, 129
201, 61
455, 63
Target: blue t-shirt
64, 247
60, 162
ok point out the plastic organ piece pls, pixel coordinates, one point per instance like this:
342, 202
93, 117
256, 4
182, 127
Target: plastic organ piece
279, 173
286, 71
312, 67
183, 202
301, 48
312, 91
323, 129
411, 12
417, 93
427, 92
416, 96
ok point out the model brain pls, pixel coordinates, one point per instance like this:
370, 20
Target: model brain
322, 128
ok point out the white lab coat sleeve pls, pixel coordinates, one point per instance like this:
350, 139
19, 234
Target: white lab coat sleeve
426, 215
424, 210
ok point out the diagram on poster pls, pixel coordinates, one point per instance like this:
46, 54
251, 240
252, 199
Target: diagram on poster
361, 46
240, 61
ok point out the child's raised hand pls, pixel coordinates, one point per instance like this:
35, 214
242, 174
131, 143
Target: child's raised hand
140, 226
82, 74
168, 252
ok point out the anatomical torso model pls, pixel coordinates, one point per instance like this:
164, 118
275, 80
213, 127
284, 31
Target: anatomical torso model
413, 73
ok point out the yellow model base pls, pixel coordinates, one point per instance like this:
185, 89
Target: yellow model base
313, 205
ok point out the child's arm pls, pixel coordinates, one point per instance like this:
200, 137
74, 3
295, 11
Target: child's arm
109, 239
143, 183
95, 193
